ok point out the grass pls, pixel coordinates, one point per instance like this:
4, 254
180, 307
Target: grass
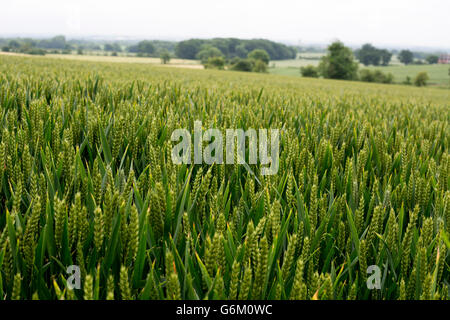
181, 63
438, 73
292, 67
87, 179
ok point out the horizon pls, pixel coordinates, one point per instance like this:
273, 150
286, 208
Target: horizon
125, 38
304, 24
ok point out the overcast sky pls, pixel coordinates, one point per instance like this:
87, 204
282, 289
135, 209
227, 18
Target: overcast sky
424, 23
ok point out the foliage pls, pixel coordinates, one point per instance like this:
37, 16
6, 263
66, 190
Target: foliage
406, 56
26, 45
208, 52
57, 42
112, 47
159, 46
164, 56
432, 59
369, 55
259, 66
421, 79
241, 51
87, 179
309, 71
232, 47
145, 48
385, 57
215, 63
407, 80
338, 63
259, 54
238, 64
375, 76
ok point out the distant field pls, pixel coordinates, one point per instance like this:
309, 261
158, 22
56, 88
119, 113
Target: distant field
180, 63
303, 59
292, 67
438, 73
286, 71
173, 62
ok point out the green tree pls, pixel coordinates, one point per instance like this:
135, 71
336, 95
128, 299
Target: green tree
112, 47
188, 49
338, 63
241, 51
259, 66
215, 63
385, 57
309, 71
14, 44
368, 54
242, 65
232, 47
407, 80
405, 56
367, 75
208, 52
259, 54
108, 47
164, 56
432, 59
421, 79
57, 42
145, 48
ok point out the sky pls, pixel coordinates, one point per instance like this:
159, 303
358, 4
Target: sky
394, 23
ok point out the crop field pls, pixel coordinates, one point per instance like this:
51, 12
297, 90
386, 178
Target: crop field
125, 59
180, 63
88, 184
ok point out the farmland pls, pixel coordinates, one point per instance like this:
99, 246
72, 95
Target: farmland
87, 180
292, 67
181, 63
438, 73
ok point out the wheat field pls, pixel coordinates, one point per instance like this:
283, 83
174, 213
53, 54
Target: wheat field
87, 180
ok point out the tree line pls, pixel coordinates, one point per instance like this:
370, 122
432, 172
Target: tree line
370, 55
189, 49
340, 63
201, 49
232, 47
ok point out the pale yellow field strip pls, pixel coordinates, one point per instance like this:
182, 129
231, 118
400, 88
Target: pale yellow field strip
177, 63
